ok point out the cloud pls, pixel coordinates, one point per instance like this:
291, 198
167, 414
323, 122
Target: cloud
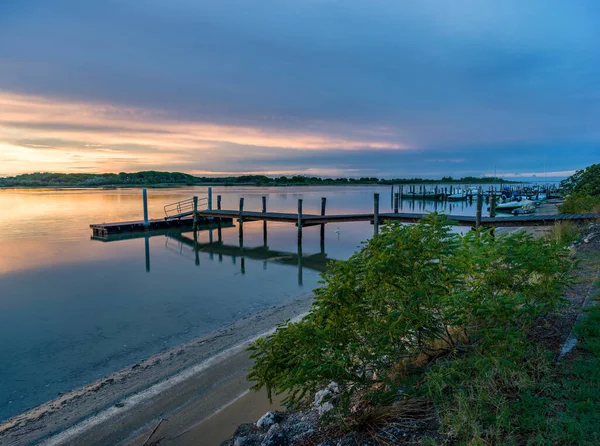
189, 78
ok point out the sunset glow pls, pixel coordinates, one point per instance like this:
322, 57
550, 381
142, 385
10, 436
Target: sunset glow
389, 89
72, 137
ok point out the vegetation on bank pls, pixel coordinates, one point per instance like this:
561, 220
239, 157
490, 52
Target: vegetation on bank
153, 178
423, 314
583, 189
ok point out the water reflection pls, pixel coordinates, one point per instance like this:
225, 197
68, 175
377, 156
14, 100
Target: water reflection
74, 309
186, 244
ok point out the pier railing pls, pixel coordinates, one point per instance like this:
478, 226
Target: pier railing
183, 208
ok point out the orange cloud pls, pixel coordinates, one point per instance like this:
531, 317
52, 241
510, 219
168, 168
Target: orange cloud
39, 133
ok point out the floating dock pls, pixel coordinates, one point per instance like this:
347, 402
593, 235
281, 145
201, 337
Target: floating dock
104, 230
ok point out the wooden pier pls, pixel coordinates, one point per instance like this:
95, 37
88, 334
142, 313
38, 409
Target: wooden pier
460, 220
187, 214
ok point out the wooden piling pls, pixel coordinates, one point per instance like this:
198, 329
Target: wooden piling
323, 207
195, 224
375, 214
396, 198
241, 222
493, 205
264, 210
210, 198
478, 211
218, 202
145, 201
299, 220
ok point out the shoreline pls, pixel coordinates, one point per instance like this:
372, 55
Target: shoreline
206, 373
181, 185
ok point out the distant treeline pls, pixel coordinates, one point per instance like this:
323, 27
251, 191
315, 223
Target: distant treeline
158, 179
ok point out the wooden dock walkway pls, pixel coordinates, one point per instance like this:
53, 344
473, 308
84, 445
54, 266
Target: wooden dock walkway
187, 213
461, 220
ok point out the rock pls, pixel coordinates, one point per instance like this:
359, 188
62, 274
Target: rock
268, 420
326, 399
247, 441
275, 437
245, 430
299, 431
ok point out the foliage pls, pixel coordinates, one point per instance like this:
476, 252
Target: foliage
522, 398
586, 181
580, 203
175, 178
412, 291
584, 191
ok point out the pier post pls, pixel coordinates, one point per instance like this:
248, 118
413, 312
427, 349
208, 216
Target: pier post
323, 206
493, 205
210, 198
396, 203
195, 224
145, 200
299, 221
241, 222
401, 191
218, 202
375, 214
478, 211
264, 210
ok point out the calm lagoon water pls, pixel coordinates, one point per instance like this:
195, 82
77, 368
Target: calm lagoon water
73, 309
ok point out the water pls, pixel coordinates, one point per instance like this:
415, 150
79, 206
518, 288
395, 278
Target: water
74, 309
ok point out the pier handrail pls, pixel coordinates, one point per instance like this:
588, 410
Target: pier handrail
182, 208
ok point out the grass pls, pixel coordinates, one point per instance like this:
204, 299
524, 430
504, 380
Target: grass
523, 397
565, 231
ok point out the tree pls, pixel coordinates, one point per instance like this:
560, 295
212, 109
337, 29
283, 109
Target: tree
411, 290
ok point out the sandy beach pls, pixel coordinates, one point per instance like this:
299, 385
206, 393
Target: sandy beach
185, 385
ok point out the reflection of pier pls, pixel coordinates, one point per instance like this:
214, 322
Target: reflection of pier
217, 248
316, 262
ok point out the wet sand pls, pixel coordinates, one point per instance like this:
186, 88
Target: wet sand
187, 386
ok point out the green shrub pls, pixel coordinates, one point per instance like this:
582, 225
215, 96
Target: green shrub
411, 291
580, 203
584, 182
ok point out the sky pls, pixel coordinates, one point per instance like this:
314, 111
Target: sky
423, 88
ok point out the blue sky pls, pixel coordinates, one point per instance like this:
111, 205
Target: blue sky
354, 88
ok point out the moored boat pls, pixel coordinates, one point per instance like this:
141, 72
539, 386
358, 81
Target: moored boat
526, 209
458, 194
510, 205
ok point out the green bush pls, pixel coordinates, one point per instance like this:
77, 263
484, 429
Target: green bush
580, 203
411, 291
585, 182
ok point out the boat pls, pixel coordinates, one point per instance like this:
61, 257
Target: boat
510, 205
527, 209
432, 195
458, 194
